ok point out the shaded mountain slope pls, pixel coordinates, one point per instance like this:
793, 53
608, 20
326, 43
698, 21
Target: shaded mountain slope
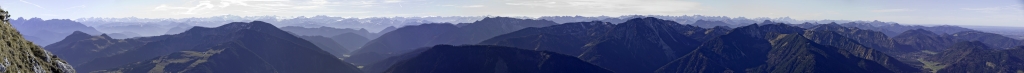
80, 47
709, 24
251, 52
639, 45
872, 39
328, 31
398, 41
995, 41
350, 41
727, 53
748, 50
411, 37
789, 53
566, 38
472, 33
383, 65
1017, 52
482, 58
925, 40
976, 57
327, 44
199, 39
856, 49
22, 56
711, 33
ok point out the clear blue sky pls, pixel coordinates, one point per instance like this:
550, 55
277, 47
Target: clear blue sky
956, 12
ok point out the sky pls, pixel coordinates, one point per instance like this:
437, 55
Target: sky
952, 12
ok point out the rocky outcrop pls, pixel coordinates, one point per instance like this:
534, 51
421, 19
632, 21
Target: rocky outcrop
22, 56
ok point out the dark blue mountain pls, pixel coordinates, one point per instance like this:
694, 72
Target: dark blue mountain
232, 47
327, 44
398, 42
566, 38
410, 37
975, 57
485, 59
925, 40
639, 45
739, 52
993, 40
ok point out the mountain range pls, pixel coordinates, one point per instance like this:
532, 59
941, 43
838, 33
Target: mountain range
499, 59
45, 32
635, 44
407, 38
255, 46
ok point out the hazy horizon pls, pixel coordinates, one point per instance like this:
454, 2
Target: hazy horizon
924, 12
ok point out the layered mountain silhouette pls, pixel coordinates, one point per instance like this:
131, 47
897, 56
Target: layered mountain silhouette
253, 52
255, 46
638, 46
398, 41
49, 31
568, 38
410, 37
709, 24
852, 47
79, 47
178, 29
23, 56
993, 40
123, 35
485, 59
388, 29
350, 41
975, 57
328, 31
327, 44
788, 53
925, 40
869, 38
628, 44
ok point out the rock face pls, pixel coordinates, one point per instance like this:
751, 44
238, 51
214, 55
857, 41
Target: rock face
976, 57
638, 46
254, 45
497, 59
22, 56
